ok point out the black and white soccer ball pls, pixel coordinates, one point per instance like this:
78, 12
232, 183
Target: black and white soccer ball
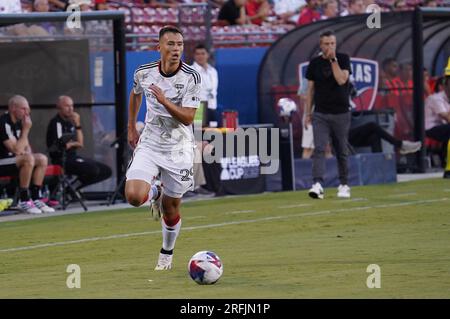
286, 106
205, 268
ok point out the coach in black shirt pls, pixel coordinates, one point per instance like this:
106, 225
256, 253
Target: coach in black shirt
328, 90
64, 124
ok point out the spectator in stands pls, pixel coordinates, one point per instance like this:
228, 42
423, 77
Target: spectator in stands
354, 7
257, 11
439, 85
16, 157
60, 5
437, 118
400, 5
85, 5
162, 3
101, 5
13, 6
288, 11
367, 3
233, 13
390, 79
309, 13
427, 83
330, 9
430, 3
42, 28
210, 81
10, 6
68, 122
406, 77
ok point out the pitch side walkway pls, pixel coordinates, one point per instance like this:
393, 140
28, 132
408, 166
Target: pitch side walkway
95, 206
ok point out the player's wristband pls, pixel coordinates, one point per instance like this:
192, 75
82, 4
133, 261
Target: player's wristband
78, 127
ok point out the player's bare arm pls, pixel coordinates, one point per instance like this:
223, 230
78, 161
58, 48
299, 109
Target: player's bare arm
183, 114
79, 143
135, 102
340, 75
19, 146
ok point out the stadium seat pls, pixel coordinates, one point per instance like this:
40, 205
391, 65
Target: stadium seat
434, 151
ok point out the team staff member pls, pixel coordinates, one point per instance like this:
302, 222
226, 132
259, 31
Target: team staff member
16, 157
67, 121
328, 90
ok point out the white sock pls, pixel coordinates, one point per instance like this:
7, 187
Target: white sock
153, 193
170, 234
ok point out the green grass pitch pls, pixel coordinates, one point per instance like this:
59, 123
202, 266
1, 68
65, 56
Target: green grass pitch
277, 245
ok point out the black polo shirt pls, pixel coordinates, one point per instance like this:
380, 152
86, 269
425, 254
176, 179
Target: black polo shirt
8, 130
55, 130
329, 96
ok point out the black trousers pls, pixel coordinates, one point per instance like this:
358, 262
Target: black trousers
371, 134
87, 170
440, 133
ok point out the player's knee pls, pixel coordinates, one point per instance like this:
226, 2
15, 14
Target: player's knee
41, 159
28, 160
135, 199
135, 196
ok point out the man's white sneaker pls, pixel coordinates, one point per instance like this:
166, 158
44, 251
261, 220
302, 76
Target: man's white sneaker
316, 191
343, 191
28, 207
156, 204
43, 207
164, 262
410, 147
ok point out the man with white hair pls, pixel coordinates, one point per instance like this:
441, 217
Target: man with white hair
16, 157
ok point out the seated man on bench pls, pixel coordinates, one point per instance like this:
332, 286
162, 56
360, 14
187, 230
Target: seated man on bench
17, 159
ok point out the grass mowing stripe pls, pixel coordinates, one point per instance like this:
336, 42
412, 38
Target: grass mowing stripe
238, 222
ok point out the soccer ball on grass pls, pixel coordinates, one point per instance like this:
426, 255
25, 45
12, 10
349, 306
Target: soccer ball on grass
205, 268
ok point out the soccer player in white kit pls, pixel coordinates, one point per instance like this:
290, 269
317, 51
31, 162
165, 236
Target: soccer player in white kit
166, 145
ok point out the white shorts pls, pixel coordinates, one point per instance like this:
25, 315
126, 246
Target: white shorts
307, 137
176, 169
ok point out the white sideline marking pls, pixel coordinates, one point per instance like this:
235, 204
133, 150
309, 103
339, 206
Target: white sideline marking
447, 190
240, 212
294, 206
238, 222
402, 195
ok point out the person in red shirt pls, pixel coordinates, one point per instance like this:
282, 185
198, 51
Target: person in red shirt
391, 84
309, 14
257, 11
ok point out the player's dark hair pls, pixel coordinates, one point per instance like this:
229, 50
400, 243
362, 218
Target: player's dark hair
439, 82
326, 33
169, 29
387, 61
201, 46
446, 81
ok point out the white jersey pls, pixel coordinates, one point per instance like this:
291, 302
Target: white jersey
162, 132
